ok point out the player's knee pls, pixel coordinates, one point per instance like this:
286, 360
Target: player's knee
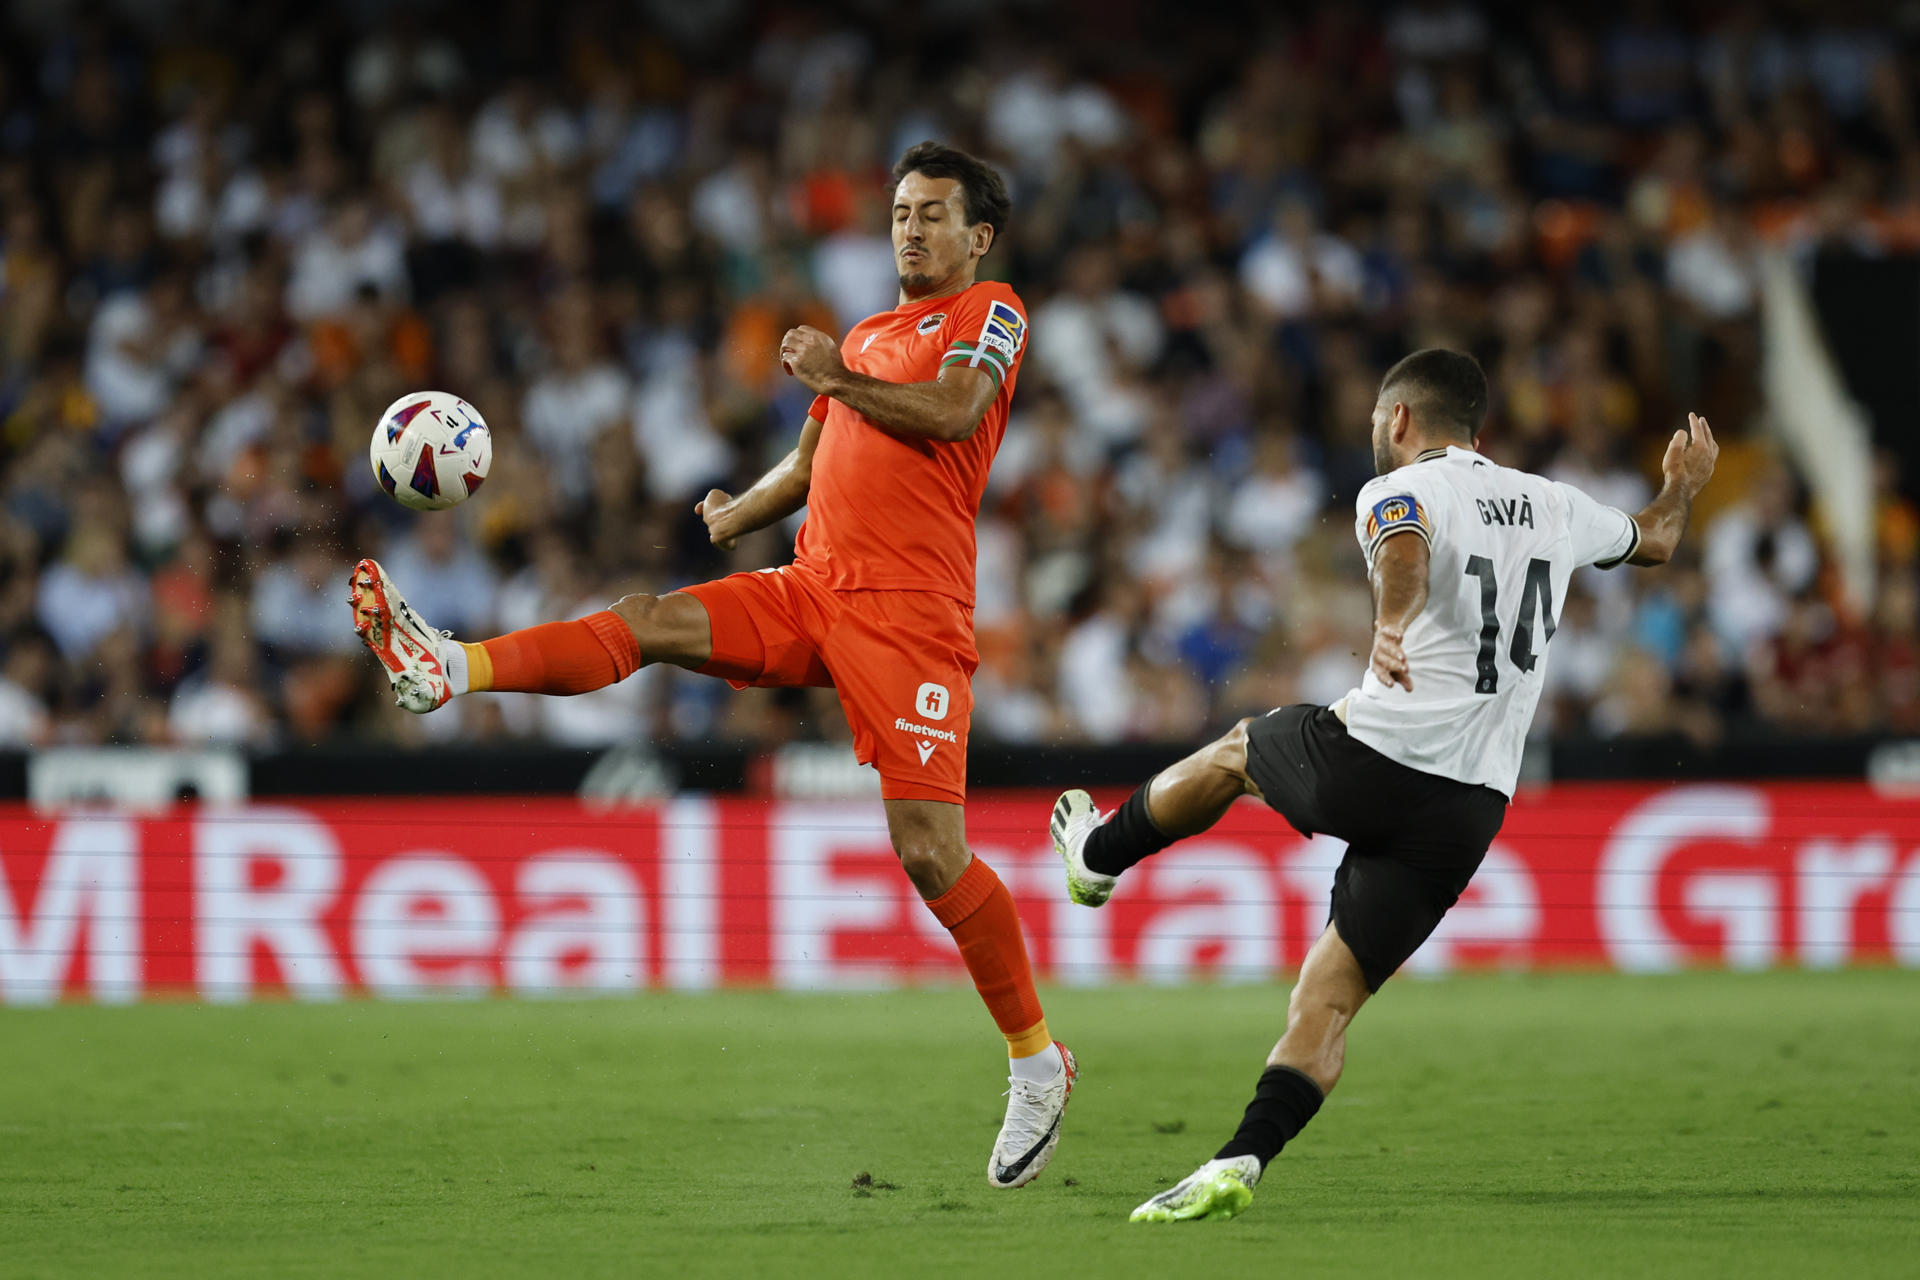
929, 864
669, 628
1229, 751
931, 859
921, 862
638, 611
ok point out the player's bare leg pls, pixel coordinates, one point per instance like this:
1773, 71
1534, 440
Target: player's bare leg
1301, 1071
593, 652
930, 839
427, 667
673, 628
1329, 992
1182, 800
1191, 796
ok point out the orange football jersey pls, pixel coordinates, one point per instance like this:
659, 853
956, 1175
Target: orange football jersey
888, 511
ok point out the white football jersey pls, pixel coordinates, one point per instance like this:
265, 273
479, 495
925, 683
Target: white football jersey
1503, 544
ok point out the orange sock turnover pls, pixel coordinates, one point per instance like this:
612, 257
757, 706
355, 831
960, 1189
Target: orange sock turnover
979, 913
557, 657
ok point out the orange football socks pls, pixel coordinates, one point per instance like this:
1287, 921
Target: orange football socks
556, 657
979, 913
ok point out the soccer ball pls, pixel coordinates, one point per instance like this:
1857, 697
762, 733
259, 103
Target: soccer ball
431, 450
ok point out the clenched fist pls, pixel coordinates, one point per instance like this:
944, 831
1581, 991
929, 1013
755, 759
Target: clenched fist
812, 357
717, 509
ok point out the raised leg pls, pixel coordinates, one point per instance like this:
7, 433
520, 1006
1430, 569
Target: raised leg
1187, 798
592, 652
1182, 800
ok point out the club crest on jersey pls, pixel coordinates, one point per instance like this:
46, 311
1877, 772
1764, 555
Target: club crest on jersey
1004, 331
1402, 511
929, 323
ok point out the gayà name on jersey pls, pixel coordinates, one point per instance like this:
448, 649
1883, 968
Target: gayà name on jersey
1506, 511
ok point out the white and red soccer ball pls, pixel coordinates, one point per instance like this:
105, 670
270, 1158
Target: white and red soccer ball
431, 450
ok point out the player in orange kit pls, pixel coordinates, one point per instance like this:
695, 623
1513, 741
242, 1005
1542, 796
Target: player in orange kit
878, 603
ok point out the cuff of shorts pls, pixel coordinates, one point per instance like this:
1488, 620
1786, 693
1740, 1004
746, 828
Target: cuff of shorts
726, 619
900, 789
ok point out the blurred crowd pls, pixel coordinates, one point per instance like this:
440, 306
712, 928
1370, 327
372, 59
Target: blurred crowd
231, 234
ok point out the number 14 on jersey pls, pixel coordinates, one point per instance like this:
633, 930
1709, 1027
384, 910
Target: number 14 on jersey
1536, 600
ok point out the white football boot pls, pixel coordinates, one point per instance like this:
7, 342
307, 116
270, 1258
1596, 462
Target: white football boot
1217, 1189
1074, 819
408, 648
1032, 1127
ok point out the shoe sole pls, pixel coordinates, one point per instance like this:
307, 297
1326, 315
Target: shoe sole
1062, 811
1223, 1198
1044, 1157
373, 615
375, 620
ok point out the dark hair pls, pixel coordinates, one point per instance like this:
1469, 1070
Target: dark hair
1446, 390
980, 182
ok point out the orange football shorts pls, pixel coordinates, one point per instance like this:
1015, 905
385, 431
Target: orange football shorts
902, 662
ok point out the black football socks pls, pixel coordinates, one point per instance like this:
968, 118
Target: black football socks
1282, 1104
1125, 838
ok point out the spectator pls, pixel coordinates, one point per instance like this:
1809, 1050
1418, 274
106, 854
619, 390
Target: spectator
223, 705
1096, 674
1712, 268
350, 249
24, 679
456, 586
580, 396
140, 347
854, 266
91, 593
1296, 269
1279, 501
1095, 329
1759, 557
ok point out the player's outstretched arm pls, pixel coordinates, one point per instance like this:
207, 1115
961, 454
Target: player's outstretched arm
774, 496
1399, 594
948, 408
1685, 472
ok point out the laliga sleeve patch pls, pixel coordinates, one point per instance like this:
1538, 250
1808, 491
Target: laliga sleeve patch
1401, 513
1005, 330
999, 343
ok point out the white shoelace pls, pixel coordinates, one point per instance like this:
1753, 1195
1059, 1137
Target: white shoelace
1030, 1103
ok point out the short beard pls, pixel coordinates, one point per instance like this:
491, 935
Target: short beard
1382, 457
916, 283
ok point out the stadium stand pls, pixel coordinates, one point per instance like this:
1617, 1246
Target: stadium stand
230, 234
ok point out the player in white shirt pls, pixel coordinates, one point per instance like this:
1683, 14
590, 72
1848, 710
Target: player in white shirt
1469, 563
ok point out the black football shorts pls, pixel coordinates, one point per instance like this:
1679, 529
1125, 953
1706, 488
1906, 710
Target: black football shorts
1413, 839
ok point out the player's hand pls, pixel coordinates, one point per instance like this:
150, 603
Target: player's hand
715, 509
812, 357
1389, 658
1690, 456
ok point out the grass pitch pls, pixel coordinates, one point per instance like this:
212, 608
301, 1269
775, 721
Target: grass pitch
1702, 1125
